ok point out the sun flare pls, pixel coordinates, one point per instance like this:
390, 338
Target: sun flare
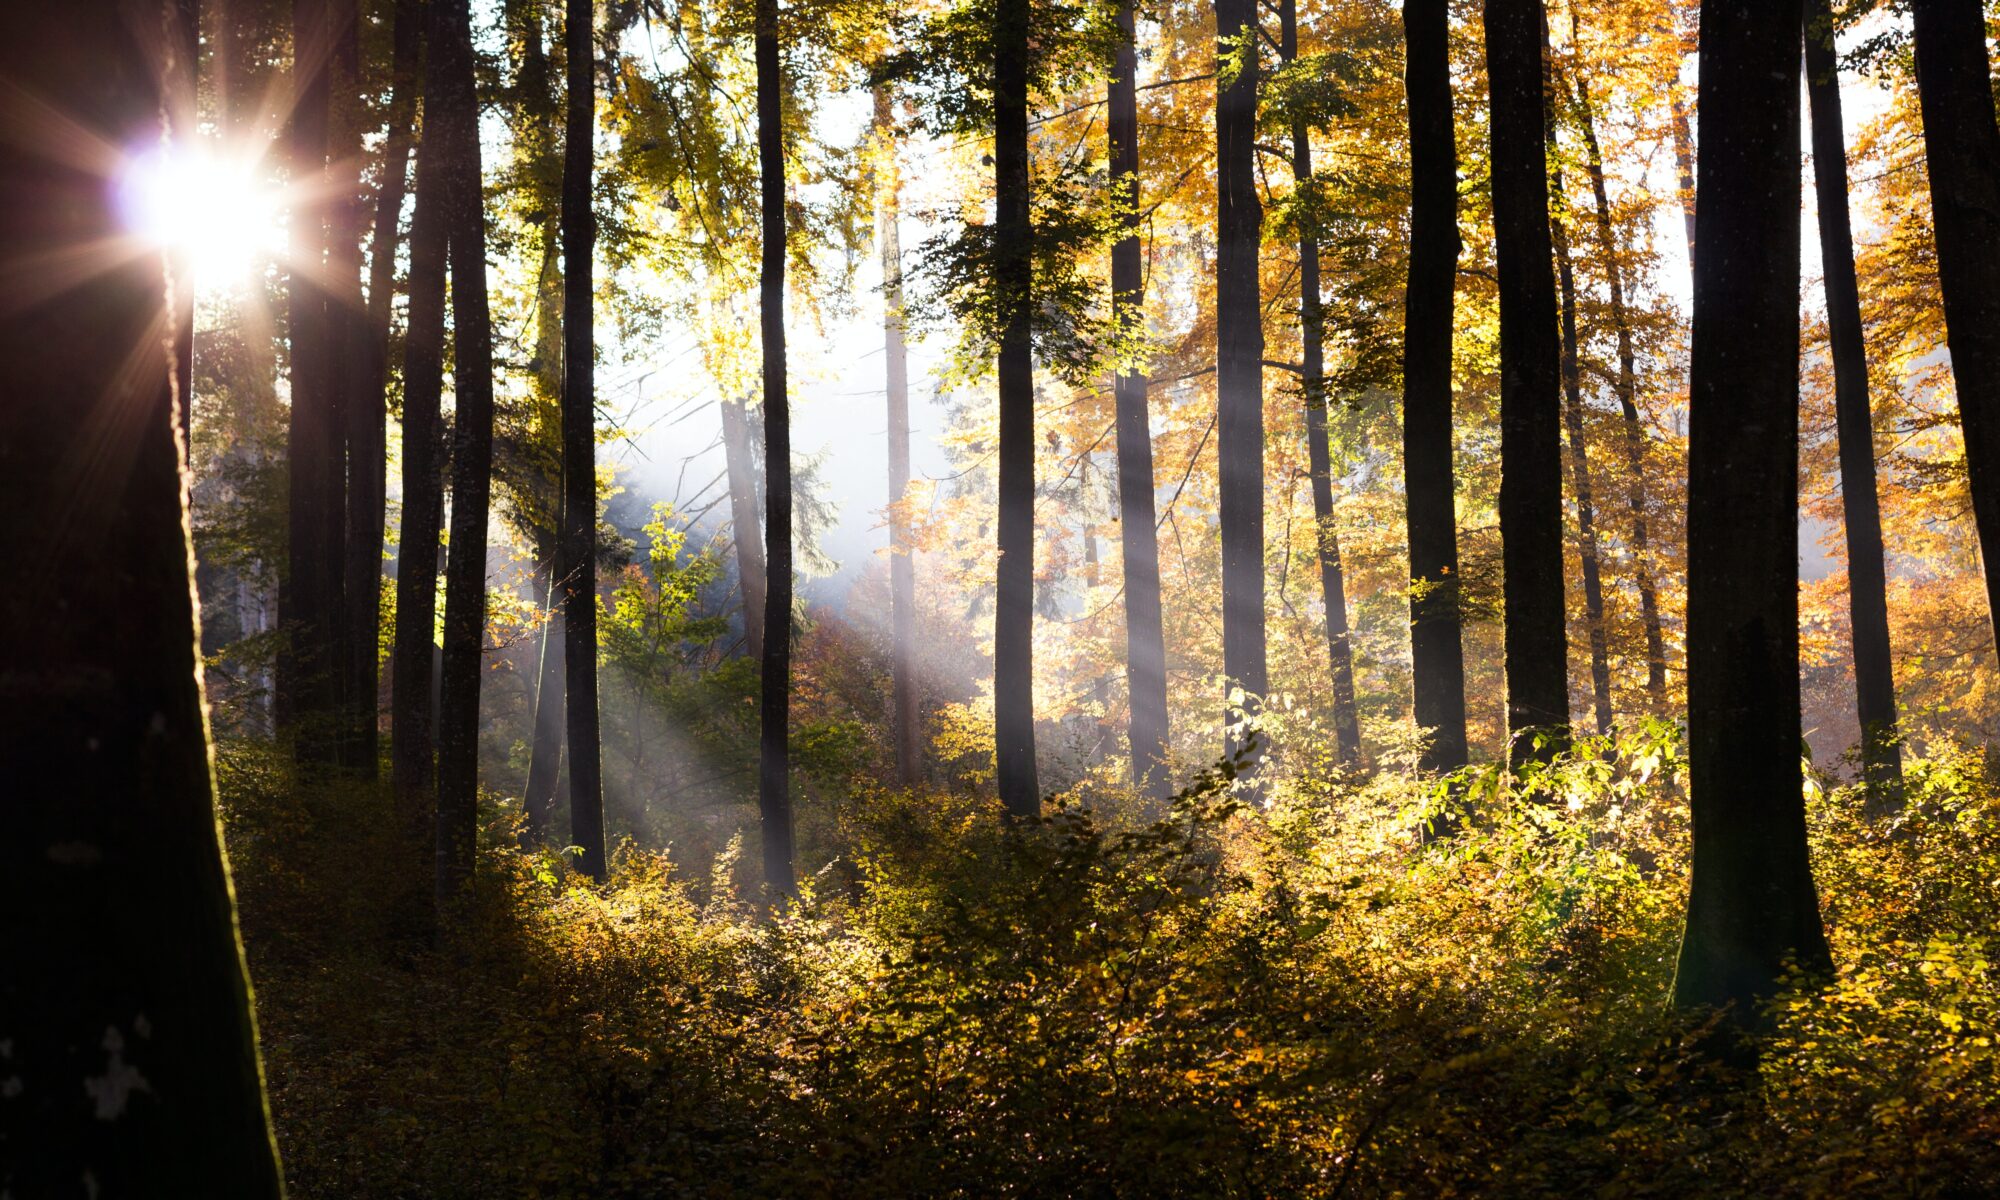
218, 211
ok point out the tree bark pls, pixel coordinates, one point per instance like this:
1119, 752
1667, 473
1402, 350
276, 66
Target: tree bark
1138, 531
906, 723
1751, 903
471, 463
411, 712
1530, 386
1239, 369
131, 1061
1628, 397
1014, 583
1319, 453
743, 521
1867, 583
1962, 153
579, 435
774, 768
1437, 659
308, 680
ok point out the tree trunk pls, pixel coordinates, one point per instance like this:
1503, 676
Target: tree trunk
367, 443
308, 688
1586, 513
1572, 376
131, 1055
538, 794
1684, 166
1628, 398
906, 723
1530, 386
1962, 153
743, 521
1437, 659
1138, 530
774, 797
471, 463
1867, 584
1239, 366
1312, 334
411, 712
1751, 903
1014, 616
579, 436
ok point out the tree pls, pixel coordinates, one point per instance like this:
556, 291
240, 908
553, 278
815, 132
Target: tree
1751, 904
1437, 659
774, 799
413, 659
1312, 334
1145, 641
1239, 342
906, 725
1530, 382
745, 527
308, 683
1962, 155
131, 1054
579, 438
1867, 583
471, 457
1013, 270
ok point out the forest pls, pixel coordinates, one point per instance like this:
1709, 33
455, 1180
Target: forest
999, 598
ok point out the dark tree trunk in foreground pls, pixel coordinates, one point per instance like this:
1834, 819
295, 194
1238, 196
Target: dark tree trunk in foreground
1531, 518
1014, 582
1437, 659
1867, 585
1751, 903
1572, 377
368, 415
1138, 529
411, 715
579, 438
471, 463
744, 523
1312, 335
774, 758
906, 725
131, 1058
1962, 153
1628, 396
307, 694
1239, 364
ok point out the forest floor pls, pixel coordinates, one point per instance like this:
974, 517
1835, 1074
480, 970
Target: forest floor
1301, 998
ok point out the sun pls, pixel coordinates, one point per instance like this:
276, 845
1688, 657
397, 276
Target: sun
218, 210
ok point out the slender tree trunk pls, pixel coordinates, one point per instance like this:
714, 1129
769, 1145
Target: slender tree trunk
743, 521
906, 723
1628, 398
1239, 371
1962, 153
1867, 584
1312, 334
1751, 903
774, 766
307, 685
1437, 659
545, 750
1014, 617
1586, 513
1145, 641
367, 442
1684, 166
1530, 385
579, 430
471, 464
411, 711
131, 1057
